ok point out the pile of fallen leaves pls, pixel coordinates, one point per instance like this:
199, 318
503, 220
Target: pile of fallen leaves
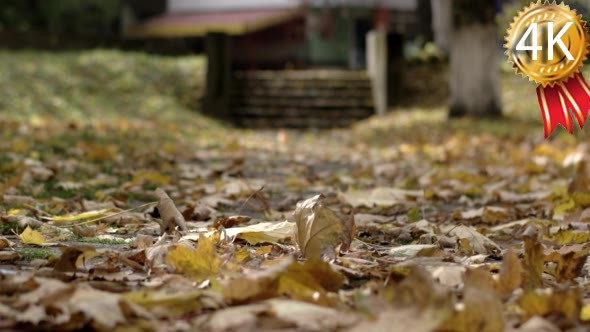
390, 226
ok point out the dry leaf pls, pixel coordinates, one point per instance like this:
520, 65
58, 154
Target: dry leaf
318, 229
29, 236
380, 196
81, 216
263, 232
8, 256
348, 232
482, 309
5, 243
231, 221
533, 262
473, 241
253, 234
201, 262
169, 214
72, 257
564, 305
569, 262
309, 282
510, 273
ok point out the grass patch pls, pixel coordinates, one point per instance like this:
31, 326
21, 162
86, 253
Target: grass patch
10, 228
29, 254
97, 240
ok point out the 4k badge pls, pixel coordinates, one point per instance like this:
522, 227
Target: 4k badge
547, 42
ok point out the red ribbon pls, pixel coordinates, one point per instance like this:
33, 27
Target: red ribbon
557, 101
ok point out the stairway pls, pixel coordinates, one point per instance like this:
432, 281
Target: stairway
300, 98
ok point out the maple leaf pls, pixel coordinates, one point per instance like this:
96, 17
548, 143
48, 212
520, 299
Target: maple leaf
201, 262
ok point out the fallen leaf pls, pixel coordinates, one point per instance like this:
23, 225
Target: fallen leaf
482, 309
311, 282
473, 241
5, 243
169, 214
230, 222
81, 216
29, 236
201, 262
8, 256
263, 232
413, 250
254, 234
510, 273
564, 305
569, 261
318, 229
72, 257
533, 262
381, 196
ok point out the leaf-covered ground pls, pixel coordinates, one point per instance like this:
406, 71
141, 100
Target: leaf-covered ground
404, 223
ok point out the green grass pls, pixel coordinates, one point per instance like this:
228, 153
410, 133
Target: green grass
28, 254
10, 228
99, 84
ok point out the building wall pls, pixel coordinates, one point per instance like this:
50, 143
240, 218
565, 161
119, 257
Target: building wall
331, 35
176, 6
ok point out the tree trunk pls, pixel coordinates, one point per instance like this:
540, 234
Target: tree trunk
475, 77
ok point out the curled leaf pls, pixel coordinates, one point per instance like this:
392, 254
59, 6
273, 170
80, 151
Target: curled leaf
169, 214
318, 228
510, 273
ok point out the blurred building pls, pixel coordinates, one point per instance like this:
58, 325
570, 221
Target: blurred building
276, 33
244, 39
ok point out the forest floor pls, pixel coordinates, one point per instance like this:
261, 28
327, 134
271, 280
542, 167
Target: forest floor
409, 222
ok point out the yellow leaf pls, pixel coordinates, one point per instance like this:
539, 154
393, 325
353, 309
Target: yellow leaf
565, 303
585, 313
81, 216
242, 255
571, 237
568, 205
29, 236
152, 177
14, 212
177, 303
202, 262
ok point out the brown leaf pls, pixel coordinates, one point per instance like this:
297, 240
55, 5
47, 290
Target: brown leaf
8, 256
318, 229
510, 273
533, 262
569, 262
72, 257
482, 309
229, 222
348, 232
169, 214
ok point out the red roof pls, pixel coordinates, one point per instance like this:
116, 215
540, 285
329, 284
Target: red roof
200, 23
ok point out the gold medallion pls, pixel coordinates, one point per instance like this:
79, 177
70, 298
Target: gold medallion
547, 43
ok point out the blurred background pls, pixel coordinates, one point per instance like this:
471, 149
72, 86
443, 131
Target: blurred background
260, 63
